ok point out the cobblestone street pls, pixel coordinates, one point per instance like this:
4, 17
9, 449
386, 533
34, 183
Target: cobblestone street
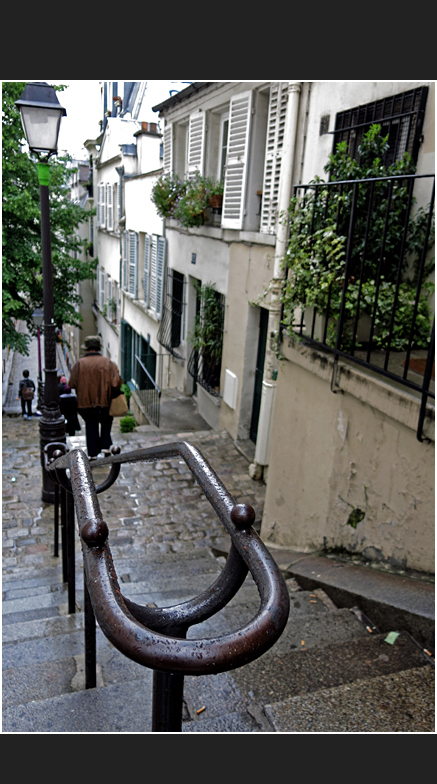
152, 507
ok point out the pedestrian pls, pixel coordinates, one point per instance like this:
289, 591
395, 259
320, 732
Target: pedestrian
26, 392
95, 378
68, 406
62, 383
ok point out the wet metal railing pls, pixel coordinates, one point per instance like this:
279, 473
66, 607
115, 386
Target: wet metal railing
156, 637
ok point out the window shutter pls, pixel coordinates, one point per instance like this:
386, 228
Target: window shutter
109, 208
102, 223
273, 159
102, 289
133, 264
236, 167
146, 268
168, 148
98, 206
125, 263
196, 143
160, 263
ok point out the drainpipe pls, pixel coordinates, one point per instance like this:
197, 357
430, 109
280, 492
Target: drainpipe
259, 467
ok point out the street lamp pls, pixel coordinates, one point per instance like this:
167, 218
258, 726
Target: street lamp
41, 116
38, 320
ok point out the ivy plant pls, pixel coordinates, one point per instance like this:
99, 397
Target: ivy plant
316, 255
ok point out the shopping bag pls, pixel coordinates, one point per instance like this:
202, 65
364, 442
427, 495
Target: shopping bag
118, 406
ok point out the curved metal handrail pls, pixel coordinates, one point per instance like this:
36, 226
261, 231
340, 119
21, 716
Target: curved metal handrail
139, 632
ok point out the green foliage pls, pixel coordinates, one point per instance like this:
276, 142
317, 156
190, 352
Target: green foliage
127, 423
167, 189
316, 255
127, 391
21, 260
185, 200
206, 336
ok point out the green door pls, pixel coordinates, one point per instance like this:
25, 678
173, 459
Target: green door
259, 372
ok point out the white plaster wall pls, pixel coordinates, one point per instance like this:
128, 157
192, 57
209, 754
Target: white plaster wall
336, 453
250, 271
141, 215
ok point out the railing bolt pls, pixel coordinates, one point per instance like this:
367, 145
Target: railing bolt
94, 533
243, 516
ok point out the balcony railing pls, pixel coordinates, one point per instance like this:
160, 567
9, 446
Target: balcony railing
358, 276
148, 391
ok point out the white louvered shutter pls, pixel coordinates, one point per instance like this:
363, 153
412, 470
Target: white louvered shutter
168, 148
236, 164
146, 268
98, 206
102, 223
273, 159
124, 282
196, 143
109, 208
153, 254
160, 265
102, 289
133, 264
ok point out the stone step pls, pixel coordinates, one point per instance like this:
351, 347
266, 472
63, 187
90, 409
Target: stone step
398, 702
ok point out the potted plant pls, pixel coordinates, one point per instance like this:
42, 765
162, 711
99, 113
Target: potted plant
165, 193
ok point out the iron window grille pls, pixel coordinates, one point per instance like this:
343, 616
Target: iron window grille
204, 364
170, 333
370, 286
400, 116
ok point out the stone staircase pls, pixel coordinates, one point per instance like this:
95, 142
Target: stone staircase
331, 670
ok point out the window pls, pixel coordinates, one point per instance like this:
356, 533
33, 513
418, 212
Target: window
205, 360
170, 334
153, 280
223, 147
400, 116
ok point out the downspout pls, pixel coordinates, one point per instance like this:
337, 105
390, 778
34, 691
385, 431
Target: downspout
259, 467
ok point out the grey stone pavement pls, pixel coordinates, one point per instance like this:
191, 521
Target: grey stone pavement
153, 507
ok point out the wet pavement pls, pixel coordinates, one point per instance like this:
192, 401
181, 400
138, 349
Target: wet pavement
153, 507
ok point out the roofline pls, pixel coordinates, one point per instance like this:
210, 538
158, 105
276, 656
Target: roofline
193, 88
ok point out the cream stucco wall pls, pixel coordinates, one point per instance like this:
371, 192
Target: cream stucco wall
350, 453
250, 270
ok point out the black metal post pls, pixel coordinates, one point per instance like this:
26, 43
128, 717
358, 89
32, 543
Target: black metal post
71, 565
168, 692
51, 423
90, 641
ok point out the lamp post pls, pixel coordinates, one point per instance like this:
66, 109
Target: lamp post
41, 116
38, 320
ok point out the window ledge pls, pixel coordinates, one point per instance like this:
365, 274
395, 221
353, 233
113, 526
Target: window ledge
226, 235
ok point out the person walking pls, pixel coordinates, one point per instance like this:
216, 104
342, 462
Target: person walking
26, 392
95, 379
68, 407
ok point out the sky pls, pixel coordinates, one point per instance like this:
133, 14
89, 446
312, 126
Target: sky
82, 102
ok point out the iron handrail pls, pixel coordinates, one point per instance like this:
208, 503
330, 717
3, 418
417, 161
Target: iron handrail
141, 633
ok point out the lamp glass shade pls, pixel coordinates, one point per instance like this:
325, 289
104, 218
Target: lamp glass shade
38, 317
41, 127
41, 115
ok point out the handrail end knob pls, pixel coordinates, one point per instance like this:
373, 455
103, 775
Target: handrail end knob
94, 533
243, 516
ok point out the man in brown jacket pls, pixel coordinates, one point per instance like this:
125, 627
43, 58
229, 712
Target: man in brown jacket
93, 377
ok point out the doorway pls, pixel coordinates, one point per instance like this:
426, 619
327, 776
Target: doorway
259, 372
